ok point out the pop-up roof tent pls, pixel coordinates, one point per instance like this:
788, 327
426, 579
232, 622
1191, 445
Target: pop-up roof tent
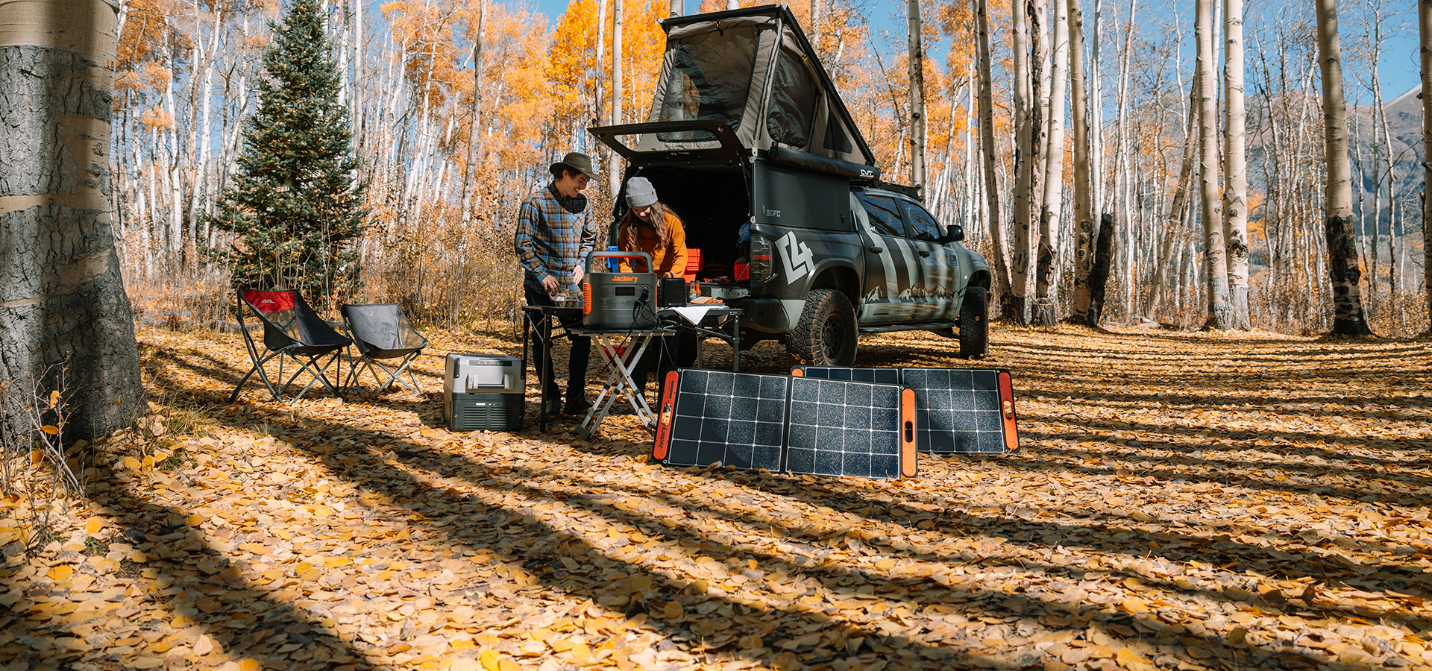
740, 80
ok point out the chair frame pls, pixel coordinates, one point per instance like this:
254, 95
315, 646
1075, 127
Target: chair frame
361, 363
312, 363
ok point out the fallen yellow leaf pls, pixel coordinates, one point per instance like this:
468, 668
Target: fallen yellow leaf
491, 661
672, 610
61, 572
94, 525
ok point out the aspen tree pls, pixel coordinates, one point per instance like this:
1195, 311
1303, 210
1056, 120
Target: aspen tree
1220, 316
1348, 318
1424, 33
1083, 196
1235, 188
988, 155
474, 112
917, 97
62, 299
1046, 310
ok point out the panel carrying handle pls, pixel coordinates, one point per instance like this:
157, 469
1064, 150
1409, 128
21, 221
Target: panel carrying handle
1006, 411
619, 255
665, 416
909, 467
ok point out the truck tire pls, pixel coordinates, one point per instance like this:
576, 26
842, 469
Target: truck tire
974, 324
825, 334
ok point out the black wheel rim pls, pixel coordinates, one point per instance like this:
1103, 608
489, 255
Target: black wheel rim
832, 338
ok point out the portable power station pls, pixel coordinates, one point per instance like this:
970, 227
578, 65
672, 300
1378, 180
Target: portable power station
483, 392
618, 301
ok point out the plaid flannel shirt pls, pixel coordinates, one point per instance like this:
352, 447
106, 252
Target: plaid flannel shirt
554, 235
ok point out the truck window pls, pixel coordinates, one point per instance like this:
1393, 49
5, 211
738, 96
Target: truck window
884, 215
792, 102
922, 223
709, 78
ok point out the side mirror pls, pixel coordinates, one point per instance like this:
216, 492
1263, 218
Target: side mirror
954, 233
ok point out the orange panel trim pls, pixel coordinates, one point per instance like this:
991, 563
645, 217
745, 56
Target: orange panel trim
908, 457
665, 415
1006, 408
797, 372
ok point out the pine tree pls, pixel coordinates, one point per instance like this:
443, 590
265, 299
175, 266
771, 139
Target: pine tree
294, 203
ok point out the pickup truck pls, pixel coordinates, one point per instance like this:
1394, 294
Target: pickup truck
749, 142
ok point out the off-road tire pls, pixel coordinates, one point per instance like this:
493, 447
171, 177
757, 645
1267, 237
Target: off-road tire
974, 324
826, 333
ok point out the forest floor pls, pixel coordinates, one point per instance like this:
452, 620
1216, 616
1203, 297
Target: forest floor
1180, 500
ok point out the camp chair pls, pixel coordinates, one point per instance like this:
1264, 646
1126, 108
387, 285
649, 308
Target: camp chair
381, 332
292, 330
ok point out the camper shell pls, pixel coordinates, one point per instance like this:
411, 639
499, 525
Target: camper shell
749, 142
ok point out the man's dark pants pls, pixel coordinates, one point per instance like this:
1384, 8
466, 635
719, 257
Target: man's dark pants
576, 364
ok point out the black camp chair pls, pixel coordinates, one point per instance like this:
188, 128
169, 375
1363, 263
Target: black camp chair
381, 332
292, 330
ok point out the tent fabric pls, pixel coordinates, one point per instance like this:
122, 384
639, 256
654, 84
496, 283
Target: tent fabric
382, 331
753, 69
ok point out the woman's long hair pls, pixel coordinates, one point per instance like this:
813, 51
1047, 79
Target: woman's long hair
631, 224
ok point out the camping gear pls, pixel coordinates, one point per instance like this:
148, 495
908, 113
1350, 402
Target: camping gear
784, 423
623, 351
673, 292
960, 410
381, 332
618, 301
292, 331
483, 392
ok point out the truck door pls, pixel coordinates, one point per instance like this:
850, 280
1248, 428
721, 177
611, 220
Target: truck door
939, 265
890, 267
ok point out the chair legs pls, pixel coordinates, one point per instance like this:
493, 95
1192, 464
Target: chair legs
314, 366
372, 366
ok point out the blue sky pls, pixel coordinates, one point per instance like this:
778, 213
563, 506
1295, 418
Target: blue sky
1399, 71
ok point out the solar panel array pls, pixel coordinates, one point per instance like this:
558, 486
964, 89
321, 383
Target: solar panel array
957, 410
781, 423
844, 428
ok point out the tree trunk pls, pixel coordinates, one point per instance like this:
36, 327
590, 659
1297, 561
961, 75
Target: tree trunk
1099, 274
62, 300
677, 6
614, 172
917, 98
1046, 309
815, 24
1235, 188
988, 155
1348, 316
1026, 164
469, 180
1083, 197
1424, 31
1220, 316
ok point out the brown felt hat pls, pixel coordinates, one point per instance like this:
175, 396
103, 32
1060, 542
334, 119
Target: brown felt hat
577, 161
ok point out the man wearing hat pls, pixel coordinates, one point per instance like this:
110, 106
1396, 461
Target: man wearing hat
555, 233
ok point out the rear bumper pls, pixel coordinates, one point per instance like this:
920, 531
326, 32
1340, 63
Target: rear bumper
768, 315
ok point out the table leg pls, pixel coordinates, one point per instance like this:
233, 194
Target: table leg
545, 368
736, 344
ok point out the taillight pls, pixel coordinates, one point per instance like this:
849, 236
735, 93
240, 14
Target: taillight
761, 268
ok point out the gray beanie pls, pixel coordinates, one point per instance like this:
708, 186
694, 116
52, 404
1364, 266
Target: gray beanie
639, 192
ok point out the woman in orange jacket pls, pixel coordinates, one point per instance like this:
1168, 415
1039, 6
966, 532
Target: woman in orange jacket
648, 226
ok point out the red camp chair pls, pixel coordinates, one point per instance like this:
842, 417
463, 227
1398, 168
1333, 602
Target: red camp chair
292, 330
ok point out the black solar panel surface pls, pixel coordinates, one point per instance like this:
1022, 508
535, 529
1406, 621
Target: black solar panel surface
957, 410
844, 428
737, 419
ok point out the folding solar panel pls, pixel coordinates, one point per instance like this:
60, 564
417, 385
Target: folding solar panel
958, 410
708, 416
780, 423
840, 427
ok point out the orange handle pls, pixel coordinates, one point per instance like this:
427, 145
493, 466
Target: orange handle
1006, 411
909, 467
665, 416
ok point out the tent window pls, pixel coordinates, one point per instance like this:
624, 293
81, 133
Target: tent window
709, 79
793, 97
835, 137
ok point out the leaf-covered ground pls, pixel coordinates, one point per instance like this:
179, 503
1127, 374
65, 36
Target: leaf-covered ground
1180, 501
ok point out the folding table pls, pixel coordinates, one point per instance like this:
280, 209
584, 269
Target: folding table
623, 351
541, 316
